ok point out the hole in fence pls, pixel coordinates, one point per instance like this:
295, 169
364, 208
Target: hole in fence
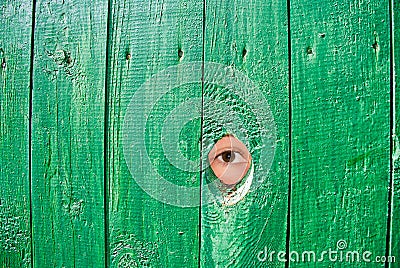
230, 160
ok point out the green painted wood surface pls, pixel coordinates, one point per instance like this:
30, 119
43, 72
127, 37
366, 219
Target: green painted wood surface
68, 134
145, 38
15, 51
250, 36
85, 217
395, 224
341, 127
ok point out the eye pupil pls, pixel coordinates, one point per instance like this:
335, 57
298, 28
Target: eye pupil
228, 156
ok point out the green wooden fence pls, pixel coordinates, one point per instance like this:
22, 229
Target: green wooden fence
72, 194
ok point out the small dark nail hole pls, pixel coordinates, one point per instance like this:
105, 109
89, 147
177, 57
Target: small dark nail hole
3, 63
128, 56
375, 46
309, 51
67, 57
322, 35
180, 53
69, 60
244, 52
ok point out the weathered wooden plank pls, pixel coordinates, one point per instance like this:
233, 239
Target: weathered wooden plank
341, 129
15, 51
68, 133
395, 221
145, 38
251, 38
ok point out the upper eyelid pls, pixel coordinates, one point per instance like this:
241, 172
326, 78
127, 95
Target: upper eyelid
229, 148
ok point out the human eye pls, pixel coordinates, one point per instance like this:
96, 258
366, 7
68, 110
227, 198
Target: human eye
230, 160
230, 157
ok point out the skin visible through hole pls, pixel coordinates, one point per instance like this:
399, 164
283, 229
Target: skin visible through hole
230, 160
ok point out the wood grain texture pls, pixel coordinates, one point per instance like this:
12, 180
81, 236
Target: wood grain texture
68, 133
395, 224
250, 36
145, 38
15, 51
341, 127
340, 77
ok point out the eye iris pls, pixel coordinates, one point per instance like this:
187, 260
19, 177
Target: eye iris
228, 156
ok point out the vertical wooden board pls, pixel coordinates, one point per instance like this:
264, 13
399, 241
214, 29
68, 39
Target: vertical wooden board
146, 37
341, 129
68, 133
251, 38
395, 224
15, 51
